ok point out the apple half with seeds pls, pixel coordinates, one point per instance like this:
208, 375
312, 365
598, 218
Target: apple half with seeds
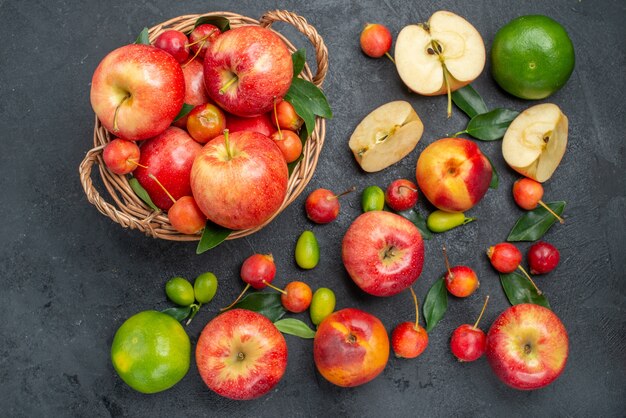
535, 142
386, 135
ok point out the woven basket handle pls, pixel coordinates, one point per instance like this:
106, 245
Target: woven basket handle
300, 23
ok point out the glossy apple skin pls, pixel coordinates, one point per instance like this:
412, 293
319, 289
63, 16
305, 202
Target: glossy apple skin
351, 347
408, 341
468, 343
195, 93
461, 281
527, 346
262, 346
151, 77
261, 124
453, 174
375, 40
383, 253
244, 191
186, 217
260, 60
121, 156
169, 157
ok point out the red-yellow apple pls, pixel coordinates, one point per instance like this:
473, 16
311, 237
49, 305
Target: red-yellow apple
351, 347
137, 91
453, 174
168, 157
246, 69
239, 180
241, 355
383, 253
261, 124
527, 346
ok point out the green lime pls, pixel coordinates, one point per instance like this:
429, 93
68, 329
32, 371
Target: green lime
151, 352
532, 57
373, 198
204, 287
179, 291
307, 251
322, 304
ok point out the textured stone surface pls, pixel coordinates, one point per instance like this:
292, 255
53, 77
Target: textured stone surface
69, 276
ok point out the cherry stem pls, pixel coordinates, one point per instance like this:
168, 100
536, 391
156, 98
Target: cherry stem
228, 84
227, 144
520, 268
203, 39
274, 287
280, 134
196, 54
245, 289
162, 187
350, 190
445, 259
194, 308
546, 207
137, 163
417, 311
390, 57
481, 312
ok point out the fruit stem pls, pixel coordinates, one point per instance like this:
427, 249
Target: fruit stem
153, 177
350, 190
227, 145
228, 84
445, 259
468, 220
245, 289
203, 39
274, 287
115, 127
194, 308
390, 57
520, 268
447, 81
137, 164
546, 207
481, 312
417, 311
194, 55
280, 134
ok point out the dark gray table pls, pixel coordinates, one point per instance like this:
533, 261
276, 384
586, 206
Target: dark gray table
69, 276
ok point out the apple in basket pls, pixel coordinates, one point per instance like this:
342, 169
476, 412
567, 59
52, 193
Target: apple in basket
239, 180
246, 69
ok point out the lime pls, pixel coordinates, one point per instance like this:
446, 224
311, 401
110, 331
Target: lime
151, 352
204, 287
532, 57
307, 251
179, 291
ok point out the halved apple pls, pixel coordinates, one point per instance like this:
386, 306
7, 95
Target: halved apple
535, 142
386, 136
439, 56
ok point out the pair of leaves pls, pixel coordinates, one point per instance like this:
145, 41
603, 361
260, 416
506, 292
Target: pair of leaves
418, 220
435, 304
535, 223
519, 290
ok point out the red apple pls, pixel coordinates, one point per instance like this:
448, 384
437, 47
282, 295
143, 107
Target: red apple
527, 346
121, 156
241, 355
351, 347
453, 174
383, 253
239, 180
137, 91
246, 69
261, 124
168, 157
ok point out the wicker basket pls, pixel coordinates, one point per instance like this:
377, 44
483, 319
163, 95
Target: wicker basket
131, 212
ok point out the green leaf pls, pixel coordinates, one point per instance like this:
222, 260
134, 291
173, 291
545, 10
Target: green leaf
308, 100
184, 111
535, 223
179, 313
298, 58
495, 178
212, 236
435, 304
418, 220
295, 327
265, 303
143, 37
519, 290
469, 101
141, 192
490, 126
222, 23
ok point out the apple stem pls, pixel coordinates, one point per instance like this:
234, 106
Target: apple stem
417, 310
520, 268
228, 84
274, 287
280, 134
245, 289
546, 207
152, 176
137, 164
445, 259
350, 190
227, 144
194, 310
390, 57
115, 127
481, 312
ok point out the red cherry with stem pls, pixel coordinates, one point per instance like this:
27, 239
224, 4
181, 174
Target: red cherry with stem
543, 257
468, 342
257, 271
289, 143
376, 41
201, 38
322, 205
527, 193
401, 195
296, 297
461, 281
174, 42
184, 215
409, 339
121, 156
285, 116
506, 258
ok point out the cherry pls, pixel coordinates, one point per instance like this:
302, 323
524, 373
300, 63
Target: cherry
257, 271
184, 215
121, 156
205, 122
285, 116
461, 281
542, 257
506, 258
468, 343
201, 38
174, 42
376, 41
409, 339
527, 193
289, 143
296, 297
401, 195
322, 205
